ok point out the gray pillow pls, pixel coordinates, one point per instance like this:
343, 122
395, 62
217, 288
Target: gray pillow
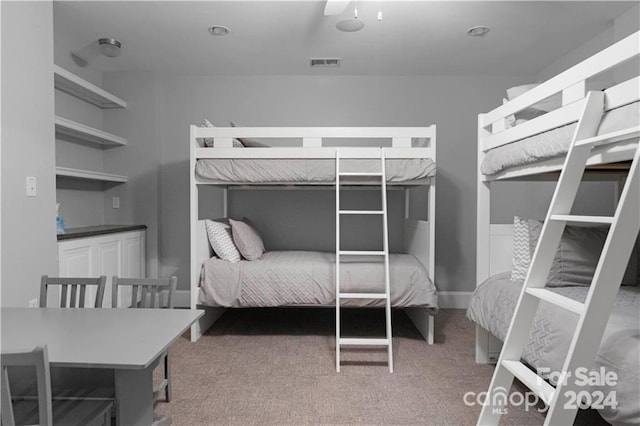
247, 240
248, 142
577, 256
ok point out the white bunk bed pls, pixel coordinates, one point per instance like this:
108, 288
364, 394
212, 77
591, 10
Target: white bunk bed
311, 164
533, 150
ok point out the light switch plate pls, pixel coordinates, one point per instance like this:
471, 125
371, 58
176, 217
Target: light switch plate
116, 202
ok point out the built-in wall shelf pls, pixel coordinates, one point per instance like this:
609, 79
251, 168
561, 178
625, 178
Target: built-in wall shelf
87, 134
89, 175
81, 88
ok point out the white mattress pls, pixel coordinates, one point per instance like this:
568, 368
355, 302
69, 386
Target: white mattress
283, 278
553, 143
492, 306
247, 171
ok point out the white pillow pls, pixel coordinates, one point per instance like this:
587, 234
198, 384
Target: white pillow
221, 241
208, 142
247, 240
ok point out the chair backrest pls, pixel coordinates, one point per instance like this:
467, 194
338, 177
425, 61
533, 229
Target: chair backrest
145, 292
73, 290
39, 359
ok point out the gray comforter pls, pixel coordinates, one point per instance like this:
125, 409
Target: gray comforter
553, 143
265, 170
283, 278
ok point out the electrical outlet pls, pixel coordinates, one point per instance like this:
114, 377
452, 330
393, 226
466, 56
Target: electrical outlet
33, 303
116, 202
31, 186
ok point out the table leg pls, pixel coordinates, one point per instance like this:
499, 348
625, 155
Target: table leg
134, 396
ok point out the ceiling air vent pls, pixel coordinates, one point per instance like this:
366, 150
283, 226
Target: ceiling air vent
325, 62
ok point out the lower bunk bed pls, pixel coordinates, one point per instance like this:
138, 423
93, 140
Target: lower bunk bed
615, 390
289, 278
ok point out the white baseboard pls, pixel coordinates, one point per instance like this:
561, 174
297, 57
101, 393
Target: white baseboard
446, 299
454, 299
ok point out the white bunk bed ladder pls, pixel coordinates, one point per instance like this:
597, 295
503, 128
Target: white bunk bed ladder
357, 153
594, 312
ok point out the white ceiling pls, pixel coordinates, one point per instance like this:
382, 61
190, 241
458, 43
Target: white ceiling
279, 37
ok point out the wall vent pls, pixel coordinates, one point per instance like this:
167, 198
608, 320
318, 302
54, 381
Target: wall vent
325, 62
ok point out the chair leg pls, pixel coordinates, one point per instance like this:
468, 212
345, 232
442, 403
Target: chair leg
167, 376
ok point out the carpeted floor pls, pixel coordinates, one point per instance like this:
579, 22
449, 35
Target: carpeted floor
277, 366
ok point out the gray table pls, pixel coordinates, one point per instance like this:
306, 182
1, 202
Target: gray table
129, 342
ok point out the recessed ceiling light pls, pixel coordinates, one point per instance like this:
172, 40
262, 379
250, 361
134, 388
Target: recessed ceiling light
477, 31
350, 25
219, 30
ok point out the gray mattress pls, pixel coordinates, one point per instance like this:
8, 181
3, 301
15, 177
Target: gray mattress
284, 278
246, 170
492, 306
553, 143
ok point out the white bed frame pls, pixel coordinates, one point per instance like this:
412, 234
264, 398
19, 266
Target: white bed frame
419, 235
493, 252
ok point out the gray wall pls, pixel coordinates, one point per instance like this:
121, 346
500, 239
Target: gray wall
28, 223
82, 203
139, 160
451, 102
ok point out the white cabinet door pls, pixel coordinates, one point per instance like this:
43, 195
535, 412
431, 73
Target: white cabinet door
75, 259
134, 255
121, 254
109, 261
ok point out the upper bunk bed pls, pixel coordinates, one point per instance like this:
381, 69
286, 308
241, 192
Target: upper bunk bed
231, 156
530, 133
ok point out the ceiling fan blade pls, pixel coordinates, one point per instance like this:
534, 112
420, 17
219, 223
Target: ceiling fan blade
335, 7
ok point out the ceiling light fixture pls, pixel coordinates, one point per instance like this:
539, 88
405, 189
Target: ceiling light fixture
351, 25
478, 31
110, 47
219, 30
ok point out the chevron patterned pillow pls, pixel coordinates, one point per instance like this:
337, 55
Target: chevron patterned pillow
521, 251
221, 241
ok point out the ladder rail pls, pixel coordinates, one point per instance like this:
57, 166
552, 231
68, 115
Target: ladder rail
385, 243
387, 341
338, 336
594, 313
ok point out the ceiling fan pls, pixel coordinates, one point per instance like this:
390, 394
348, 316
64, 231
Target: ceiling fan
335, 7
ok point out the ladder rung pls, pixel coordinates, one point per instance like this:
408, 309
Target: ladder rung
360, 173
363, 295
362, 253
557, 299
361, 212
582, 219
531, 380
612, 137
363, 341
